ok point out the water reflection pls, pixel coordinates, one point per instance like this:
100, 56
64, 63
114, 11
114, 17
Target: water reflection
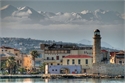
46, 80
28, 80
40, 80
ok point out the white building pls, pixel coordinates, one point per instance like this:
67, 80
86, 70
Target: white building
65, 69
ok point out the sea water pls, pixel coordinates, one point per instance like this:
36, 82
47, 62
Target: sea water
83, 80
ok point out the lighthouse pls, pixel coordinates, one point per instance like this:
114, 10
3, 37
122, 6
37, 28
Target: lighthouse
97, 47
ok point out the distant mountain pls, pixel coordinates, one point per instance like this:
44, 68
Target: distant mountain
87, 42
28, 12
99, 15
7, 10
47, 14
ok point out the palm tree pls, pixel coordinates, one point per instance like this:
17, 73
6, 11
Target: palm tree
10, 64
34, 54
42, 67
21, 70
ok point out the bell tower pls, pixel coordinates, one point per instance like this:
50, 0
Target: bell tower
97, 47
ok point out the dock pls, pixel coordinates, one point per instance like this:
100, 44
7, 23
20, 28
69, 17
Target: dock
21, 76
59, 76
54, 76
64, 75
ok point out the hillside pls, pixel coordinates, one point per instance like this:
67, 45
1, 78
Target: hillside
28, 44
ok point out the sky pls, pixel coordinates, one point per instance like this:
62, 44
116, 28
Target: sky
112, 33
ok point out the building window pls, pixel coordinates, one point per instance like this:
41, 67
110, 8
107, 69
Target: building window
120, 62
86, 61
84, 70
63, 56
21, 61
68, 62
52, 69
16, 54
79, 61
52, 58
73, 61
57, 57
55, 69
58, 64
68, 51
37, 63
51, 63
47, 58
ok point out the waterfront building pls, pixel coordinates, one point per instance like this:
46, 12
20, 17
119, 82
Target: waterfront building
112, 57
64, 69
117, 57
6, 52
120, 57
85, 61
53, 54
27, 62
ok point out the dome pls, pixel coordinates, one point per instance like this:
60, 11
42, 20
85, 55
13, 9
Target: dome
96, 30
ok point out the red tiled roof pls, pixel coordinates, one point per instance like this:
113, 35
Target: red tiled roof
113, 53
78, 56
104, 50
121, 52
6, 47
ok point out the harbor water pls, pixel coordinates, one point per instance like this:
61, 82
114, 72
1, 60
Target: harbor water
83, 80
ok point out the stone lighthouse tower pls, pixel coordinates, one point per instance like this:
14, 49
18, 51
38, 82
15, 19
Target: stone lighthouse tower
97, 47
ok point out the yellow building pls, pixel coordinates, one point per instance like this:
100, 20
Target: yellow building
117, 57
84, 60
27, 62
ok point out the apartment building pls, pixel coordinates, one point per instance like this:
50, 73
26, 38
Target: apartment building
6, 52
53, 54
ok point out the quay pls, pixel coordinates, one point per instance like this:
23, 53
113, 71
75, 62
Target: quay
21, 76
59, 76
54, 76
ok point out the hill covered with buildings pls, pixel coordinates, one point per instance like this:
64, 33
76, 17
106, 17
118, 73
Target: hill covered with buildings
28, 44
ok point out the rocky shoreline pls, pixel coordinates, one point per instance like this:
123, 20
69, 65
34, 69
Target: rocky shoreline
59, 76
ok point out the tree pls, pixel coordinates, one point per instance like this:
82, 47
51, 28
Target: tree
34, 54
3, 66
10, 64
21, 70
42, 67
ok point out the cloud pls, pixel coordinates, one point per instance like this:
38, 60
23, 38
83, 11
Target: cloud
123, 16
20, 14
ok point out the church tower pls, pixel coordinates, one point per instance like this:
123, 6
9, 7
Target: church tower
97, 47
